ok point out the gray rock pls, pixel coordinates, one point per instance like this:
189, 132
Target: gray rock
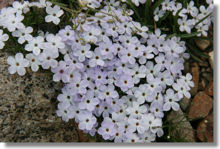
203, 44
211, 58
28, 108
184, 103
182, 129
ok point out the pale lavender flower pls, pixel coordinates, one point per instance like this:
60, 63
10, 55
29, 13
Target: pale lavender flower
35, 45
171, 100
96, 60
61, 72
152, 123
136, 111
157, 109
142, 93
65, 112
89, 102
23, 34
34, 61
125, 82
86, 121
108, 92
107, 130
136, 125
83, 52
17, 64
182, 88
67, 33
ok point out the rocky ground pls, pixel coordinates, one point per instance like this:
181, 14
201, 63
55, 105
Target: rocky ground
194, 121
28, 109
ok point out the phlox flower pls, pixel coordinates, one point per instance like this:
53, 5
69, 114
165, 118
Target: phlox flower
35, 45
23, 34
17, 64
33, 61
3, 38
53, 14
171, 100
86, 121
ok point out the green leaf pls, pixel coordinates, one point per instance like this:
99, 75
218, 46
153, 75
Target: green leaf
164, 17
195, 58
183, 35
175, 20
188, 35
184, 3
203, 19
133, 8
197, 51
57, 3
147, 12
157, 4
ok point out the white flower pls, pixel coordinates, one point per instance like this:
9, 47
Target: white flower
20, 6
53, 14
91, 33
90, 3
40, 4
152, 123
138, 72
192, 9
35, 45
34, 62
137, 124
23, 34
65, 111
18, 64
136, 110
158, 14
47, 58
136, 2
188, 79
108, 92
209, 1
86, 121
83, 52
186, 25
132, 138
142, 93
13, 22
89, 102
148, 136
54, 42
171, 100
3, 37
182, 88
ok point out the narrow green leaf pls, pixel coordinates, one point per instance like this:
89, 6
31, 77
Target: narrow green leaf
184, 3
164, 17
175, 20
195, 58
197, 51
133, 8
59, 4
183, 35
157, 4
203, 19
188, 35
147, 12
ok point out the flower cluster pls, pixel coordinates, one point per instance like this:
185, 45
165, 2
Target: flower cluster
189, 16
119, 78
